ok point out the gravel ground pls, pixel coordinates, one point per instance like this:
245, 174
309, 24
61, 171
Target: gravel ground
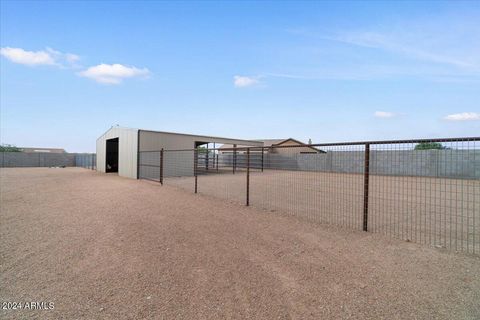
434, 211
102, 246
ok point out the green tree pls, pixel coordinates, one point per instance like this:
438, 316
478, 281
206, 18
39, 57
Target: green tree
201, 150
9, 148
429, 146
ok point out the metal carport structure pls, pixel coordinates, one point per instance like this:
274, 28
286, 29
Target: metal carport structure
132, 142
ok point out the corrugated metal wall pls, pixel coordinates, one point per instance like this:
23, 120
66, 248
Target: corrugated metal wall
177, 163
127, 150
156, 140
149, 140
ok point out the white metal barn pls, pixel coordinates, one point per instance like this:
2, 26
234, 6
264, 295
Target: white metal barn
119, 147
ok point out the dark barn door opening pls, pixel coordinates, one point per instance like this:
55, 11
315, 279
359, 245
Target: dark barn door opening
111, 164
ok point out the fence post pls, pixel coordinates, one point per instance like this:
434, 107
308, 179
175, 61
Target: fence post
217, 162
365, 186
161, 166
195, 155
262, 159
248, 176
234, 160
138, 154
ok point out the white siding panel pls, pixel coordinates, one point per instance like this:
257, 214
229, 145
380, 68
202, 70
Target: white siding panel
127, 150
101, 154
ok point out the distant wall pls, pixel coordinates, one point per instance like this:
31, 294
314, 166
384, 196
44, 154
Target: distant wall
86, 160
427, 163
40, 159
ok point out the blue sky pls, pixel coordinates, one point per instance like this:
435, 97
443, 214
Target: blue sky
336, 71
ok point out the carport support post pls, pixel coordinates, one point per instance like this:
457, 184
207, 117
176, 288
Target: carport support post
206, 159
195, 159
248, 177
365, 186
213, 156
161, 166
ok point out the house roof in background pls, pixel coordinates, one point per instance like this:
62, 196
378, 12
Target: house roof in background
299, 142
266, 143
272, 143
47, 150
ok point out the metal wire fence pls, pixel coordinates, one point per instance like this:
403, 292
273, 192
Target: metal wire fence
425, 191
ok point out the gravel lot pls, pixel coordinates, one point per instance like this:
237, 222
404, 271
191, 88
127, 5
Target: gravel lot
102, 246
434, 211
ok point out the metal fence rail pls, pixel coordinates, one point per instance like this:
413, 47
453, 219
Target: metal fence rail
426, 191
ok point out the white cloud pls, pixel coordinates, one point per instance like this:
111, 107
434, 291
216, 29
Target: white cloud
29, 58
102, 73
63, 58
464, 116
113, 73
243, 81
72, 58
48, 56
384, 114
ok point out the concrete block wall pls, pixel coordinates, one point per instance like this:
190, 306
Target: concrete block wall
86, 160
22, 159
425, 163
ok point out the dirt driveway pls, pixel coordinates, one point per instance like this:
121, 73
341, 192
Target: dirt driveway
104, 247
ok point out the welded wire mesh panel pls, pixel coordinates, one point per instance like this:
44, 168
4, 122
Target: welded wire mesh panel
223, 175
323, 184
179, 169
427, 192
422, 191
149, 165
